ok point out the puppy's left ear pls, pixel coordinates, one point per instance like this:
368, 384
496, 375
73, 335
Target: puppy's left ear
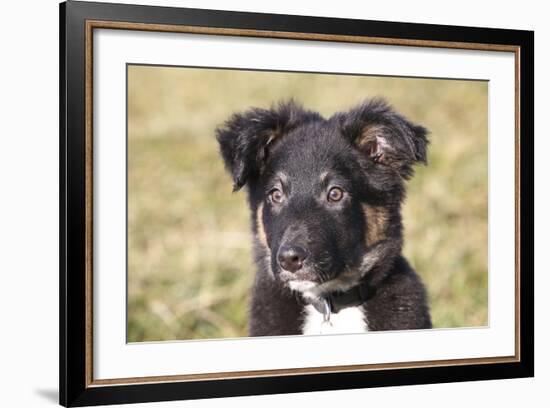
386, 137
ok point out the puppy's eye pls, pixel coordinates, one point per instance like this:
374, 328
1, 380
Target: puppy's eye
276, 196
335, 194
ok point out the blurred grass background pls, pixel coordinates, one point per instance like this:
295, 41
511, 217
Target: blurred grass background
190, 266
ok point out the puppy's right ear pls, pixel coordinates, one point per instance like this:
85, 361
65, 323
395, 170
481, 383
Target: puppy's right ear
244, 138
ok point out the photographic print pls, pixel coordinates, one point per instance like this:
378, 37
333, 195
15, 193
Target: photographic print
257, 204
265, 203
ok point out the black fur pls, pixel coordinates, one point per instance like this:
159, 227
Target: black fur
293, 161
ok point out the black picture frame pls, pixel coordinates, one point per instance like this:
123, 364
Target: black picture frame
76, 387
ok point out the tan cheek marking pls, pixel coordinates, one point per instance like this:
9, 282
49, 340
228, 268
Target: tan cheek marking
260, 231
377, 220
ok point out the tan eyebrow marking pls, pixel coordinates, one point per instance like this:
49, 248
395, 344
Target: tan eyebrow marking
283, 178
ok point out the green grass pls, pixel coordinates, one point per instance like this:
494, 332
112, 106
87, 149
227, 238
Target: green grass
189, 247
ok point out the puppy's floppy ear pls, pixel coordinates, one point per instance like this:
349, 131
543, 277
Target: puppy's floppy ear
385, 136
245, 137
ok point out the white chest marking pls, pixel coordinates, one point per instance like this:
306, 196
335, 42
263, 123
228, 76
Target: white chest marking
348, 320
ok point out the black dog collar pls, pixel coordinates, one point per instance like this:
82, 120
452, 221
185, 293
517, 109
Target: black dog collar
337, 301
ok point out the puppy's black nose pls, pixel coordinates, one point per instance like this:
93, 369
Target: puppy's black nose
291, 257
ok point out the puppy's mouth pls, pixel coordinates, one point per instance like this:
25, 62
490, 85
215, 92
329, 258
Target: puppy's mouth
308, 282
313, 283
303, 275
310, 285
303, 281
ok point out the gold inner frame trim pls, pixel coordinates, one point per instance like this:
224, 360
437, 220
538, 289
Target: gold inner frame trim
92, 24
297, 371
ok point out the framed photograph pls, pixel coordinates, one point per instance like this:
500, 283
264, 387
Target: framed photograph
256, 204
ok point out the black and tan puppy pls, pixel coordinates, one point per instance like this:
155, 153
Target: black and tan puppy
325, 196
